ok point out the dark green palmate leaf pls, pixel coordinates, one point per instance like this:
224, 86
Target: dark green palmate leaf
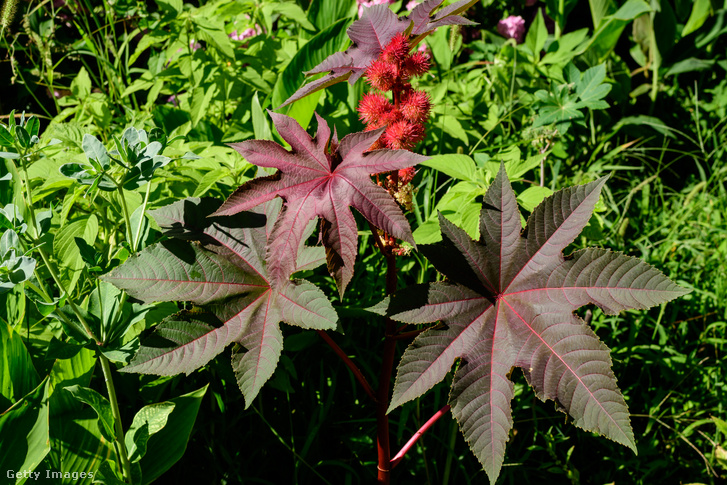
224, 268
509, 302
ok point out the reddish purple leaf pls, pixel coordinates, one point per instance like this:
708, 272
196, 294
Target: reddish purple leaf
321, 178
371, 33
509, 302
224, 268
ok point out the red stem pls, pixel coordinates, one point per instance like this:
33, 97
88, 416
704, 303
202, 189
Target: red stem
346, 360
409, 444
383, 446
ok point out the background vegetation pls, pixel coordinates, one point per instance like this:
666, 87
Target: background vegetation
636, 89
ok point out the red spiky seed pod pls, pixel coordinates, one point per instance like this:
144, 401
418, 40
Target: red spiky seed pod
406, 175
403, 135
374, 108
397, 50
382, 75
415, 106
415, 65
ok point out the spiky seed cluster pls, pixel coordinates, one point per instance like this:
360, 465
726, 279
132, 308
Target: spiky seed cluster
403, 117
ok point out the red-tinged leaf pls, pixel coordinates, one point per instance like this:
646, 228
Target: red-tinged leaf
481, 395
319, 177
423, 22
224, 268
372, 32
510, 302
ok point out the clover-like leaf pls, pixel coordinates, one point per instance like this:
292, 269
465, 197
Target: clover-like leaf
223, 267
321, 178
371, 33
509, 302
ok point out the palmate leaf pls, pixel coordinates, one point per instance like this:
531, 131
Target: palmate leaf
320, 177
224, 268
509, 302
371, 33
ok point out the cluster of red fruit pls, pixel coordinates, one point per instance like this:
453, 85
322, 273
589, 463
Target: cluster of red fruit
404, 116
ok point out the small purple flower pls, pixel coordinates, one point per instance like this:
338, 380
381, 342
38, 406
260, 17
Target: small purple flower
512, 27
370, 3
194, 45
172, 100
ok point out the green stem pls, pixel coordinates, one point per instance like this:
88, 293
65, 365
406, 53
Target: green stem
125, 463
127, 219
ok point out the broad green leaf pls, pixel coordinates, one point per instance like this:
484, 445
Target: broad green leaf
591, 87
599, 9
25, 436
326, 43
532, 197
609, 30
201, 99
77, 447
690, 65
537, 35
460, 167
76, 370
167, 446
700, 13
148, 421
81, 84
212, 31
18, 376
260, 124
6, 139
288, 10
563, 50
99, 404
326, 12
95, 150
66, 250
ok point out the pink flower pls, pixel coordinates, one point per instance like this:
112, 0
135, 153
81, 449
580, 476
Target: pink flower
369, 3
512, 27
410, 6
194, 45
245, 34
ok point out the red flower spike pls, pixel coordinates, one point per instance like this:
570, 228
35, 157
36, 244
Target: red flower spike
415, 106
373, 108
382, 75
416, 64
397, 50
403, 135
406, 175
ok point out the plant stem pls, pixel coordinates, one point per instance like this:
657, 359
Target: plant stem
126, 465
346, 360
409, 444
383, 446
127, 218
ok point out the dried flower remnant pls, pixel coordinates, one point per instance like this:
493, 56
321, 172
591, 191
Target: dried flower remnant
512, 27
